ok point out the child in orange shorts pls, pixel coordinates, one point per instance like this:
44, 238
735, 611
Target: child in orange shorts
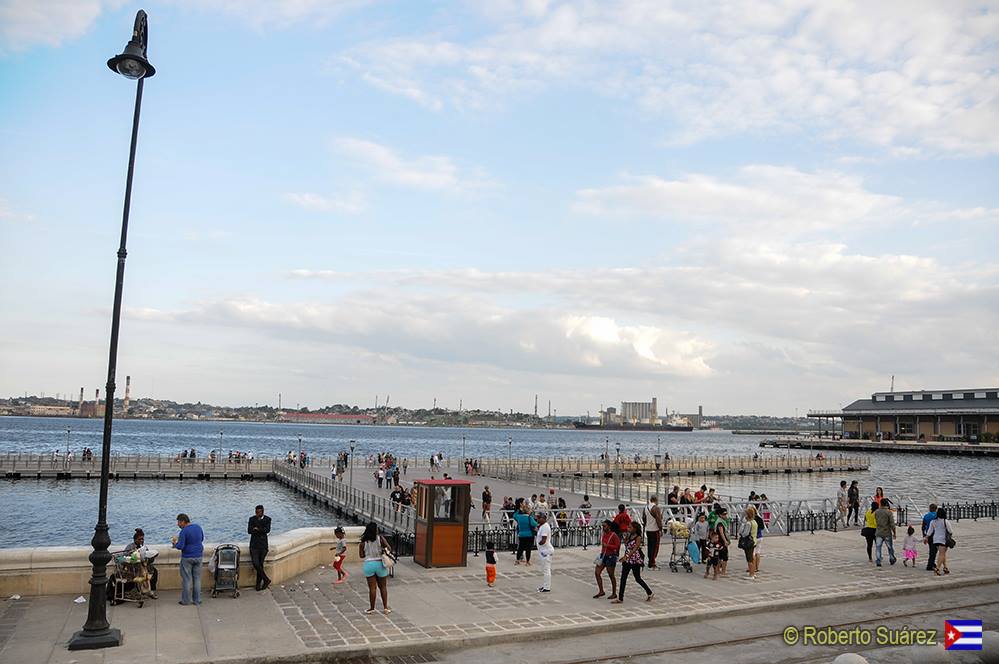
490, 564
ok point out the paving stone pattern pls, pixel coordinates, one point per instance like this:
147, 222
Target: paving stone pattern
325, 615
10, 615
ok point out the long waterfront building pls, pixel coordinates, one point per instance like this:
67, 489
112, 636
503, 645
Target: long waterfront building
920, 415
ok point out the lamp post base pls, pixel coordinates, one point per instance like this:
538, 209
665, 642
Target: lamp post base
83, 640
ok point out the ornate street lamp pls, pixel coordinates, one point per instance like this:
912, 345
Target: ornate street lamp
97, 631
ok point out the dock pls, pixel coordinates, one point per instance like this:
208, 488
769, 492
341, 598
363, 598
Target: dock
132, 467
886, 446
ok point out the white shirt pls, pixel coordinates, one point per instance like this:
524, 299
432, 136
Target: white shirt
544, 531
651, 525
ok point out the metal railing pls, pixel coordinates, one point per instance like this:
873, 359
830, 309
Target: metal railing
352, 500
973, 511
124, 463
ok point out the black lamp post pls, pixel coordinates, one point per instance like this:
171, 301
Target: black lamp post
97, 631
353, 444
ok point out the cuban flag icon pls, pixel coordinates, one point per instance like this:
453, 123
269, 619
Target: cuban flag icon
963, 635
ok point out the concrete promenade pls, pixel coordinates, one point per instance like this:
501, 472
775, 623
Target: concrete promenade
439, 612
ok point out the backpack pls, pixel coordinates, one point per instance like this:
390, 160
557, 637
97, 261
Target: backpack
759, 526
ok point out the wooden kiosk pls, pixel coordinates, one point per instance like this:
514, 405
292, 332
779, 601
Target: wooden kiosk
442, 508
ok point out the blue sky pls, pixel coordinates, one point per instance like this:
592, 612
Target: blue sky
758, 207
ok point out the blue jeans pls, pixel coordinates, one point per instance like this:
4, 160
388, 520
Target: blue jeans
190, 575
879, 541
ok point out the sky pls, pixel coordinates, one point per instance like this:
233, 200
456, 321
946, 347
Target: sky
758, 207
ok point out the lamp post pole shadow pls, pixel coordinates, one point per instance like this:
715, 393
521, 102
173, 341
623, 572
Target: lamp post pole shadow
97, 631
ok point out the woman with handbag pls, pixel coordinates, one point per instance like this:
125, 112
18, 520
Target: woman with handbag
377, 556
632, 562
941, 535
870, 529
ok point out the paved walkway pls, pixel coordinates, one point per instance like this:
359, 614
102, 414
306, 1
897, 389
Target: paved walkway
436, 610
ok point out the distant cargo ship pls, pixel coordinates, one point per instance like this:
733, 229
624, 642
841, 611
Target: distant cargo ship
633, 427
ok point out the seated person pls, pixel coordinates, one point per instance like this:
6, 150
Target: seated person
147, 555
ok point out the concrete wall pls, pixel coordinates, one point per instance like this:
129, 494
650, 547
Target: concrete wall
56, 570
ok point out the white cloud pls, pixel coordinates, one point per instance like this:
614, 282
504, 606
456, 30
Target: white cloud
11, 215
26, 23
431, 172
782, 198
894, 74
350, 203
736, 311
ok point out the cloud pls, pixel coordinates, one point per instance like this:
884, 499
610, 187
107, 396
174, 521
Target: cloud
432, 172
783, 198
351, 203
733, 312
891, 75
27, 23
462, 330
11, 215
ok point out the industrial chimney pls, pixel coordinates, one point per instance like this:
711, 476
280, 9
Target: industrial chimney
97, 401
79, 410
128, 390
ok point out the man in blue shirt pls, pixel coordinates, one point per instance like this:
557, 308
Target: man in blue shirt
190, 541
928, 518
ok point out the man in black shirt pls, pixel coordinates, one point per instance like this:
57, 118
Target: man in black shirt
258, 527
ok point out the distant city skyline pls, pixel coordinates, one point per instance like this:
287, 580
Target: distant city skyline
758, 208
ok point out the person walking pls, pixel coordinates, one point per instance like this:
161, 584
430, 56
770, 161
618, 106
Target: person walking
652, 517
928, 518
853, 503
842, 502
526, 527
940, 535
372, 550
487, 504
885, 531
190, 541
632, 562
546, 550
610, 547
869, 530
258, 528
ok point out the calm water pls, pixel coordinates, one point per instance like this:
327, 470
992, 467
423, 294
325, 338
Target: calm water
223, 507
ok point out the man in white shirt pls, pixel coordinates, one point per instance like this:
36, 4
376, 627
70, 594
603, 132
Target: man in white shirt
652, 518
543, 542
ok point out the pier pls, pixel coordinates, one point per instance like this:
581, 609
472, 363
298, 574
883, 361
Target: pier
607, 483
889, 446
135, 467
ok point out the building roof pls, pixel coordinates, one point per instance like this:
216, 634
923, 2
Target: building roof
928, 402
957, 405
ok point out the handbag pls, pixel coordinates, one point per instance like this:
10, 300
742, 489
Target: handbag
388, 560
745, 542
867, 532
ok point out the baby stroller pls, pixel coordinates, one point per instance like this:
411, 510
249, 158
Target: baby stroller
130, 580
680, 555
226, 574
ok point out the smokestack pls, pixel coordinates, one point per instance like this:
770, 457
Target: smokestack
97, 401
79, 410
128, 391
535, 406
654, 415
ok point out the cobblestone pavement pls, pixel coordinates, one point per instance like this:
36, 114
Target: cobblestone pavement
802, 567
448, 608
